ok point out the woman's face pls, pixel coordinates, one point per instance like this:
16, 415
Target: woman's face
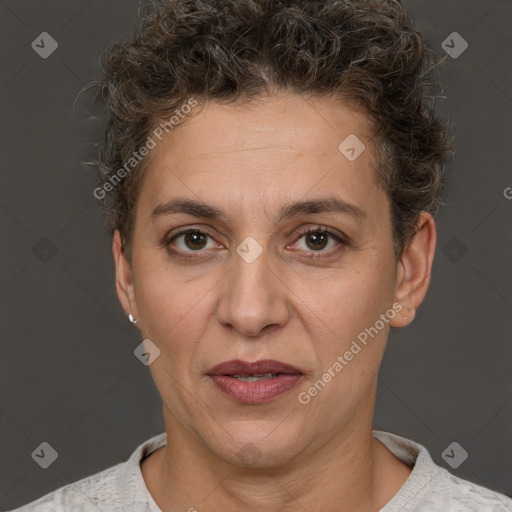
253, 286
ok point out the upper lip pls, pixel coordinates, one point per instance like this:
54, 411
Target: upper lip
239, 367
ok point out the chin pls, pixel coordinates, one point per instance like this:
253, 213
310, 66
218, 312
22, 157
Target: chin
256, 444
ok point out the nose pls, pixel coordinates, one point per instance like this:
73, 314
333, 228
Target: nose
253, 297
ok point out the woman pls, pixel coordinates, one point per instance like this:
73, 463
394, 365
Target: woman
270, 172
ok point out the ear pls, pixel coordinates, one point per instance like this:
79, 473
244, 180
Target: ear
414, 270
124, 282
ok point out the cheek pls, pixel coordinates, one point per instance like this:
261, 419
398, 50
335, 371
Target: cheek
175, 317
348, 342
349, 298
340, 314
175, 312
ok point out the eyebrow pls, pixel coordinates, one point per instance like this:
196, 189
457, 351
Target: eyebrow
199, 209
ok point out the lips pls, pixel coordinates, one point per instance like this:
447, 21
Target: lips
256, 382
238, 367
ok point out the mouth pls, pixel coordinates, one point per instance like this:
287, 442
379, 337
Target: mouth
254, 383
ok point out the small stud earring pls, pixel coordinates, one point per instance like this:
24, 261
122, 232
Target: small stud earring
132, 320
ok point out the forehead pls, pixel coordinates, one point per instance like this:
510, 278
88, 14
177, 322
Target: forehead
274, 150
310, 125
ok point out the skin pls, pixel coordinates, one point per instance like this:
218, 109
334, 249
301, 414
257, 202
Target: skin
250, 160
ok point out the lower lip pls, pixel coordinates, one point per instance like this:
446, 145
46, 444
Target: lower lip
256, 392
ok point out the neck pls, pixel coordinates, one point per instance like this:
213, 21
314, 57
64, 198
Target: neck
352, 471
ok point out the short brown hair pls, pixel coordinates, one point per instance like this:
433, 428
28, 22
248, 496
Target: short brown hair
362, 51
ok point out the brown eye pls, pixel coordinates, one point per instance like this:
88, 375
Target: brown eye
195, 240
191, 241
317, 240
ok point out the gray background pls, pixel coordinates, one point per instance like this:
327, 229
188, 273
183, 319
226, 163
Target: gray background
69, 376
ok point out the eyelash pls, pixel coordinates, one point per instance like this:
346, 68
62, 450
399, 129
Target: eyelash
343, 242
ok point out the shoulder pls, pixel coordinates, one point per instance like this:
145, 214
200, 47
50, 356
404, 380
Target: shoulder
451, 493
120, 488
82, 496
431, 488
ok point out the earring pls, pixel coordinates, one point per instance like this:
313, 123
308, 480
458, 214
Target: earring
132, 320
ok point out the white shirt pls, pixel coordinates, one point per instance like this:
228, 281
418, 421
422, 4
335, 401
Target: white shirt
429, 487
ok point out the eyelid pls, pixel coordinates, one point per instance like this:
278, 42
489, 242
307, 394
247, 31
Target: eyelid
324, 229
169, 238
343, 240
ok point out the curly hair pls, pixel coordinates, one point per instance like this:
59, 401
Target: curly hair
362, 52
